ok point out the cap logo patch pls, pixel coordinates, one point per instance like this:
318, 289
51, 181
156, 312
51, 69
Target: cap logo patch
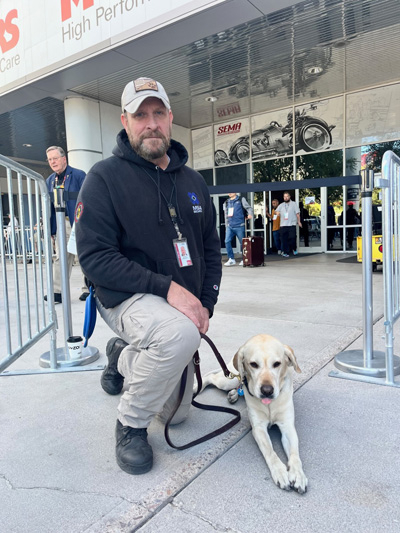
145, 85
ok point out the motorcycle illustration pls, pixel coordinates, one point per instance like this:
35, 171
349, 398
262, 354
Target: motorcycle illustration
275, 140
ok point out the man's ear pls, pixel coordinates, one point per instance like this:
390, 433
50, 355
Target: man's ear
291, 358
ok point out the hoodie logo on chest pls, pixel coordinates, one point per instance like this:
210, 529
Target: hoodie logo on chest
196, 203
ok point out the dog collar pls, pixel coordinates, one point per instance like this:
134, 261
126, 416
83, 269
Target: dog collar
244, 381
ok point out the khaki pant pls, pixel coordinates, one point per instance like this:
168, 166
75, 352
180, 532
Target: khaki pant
161, 343
70, 262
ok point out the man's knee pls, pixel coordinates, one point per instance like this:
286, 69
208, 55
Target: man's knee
180, 336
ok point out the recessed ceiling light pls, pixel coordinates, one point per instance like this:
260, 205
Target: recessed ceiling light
27, 145
211, 99
315, 70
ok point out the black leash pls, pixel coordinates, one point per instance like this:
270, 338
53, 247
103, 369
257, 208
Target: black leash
231, 423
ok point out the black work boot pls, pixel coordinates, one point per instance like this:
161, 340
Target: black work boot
111, 380
133, 452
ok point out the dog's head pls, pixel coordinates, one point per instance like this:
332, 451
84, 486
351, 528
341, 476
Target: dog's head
264, 362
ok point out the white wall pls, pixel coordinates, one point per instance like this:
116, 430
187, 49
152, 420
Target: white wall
183, 136
110, 121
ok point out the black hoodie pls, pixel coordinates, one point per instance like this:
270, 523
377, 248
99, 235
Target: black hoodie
125, 234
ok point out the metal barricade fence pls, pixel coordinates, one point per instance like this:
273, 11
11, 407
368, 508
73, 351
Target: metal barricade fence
391, 252
26, 263
369, 365
32, 241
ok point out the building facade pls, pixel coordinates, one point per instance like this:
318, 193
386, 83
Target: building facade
263, 92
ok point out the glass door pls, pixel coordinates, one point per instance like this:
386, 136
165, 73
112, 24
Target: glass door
311, 237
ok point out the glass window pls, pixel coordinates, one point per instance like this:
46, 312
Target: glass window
273, 170
321, 165
207, 175
232, 175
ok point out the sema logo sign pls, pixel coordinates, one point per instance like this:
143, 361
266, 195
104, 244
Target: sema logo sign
9, 32
66, 7
229, 128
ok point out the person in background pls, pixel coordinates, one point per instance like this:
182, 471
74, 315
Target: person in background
352, 218
237, 211
70, 179
7, 234
304, 229
276, 225
289, 216
331, 221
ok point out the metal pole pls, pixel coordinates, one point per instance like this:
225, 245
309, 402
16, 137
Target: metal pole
365, 362
367, 180
59, 205
89, 353
374, 365
387, 208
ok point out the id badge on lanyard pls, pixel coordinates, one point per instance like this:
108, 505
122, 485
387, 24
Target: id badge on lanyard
180, 244
182, 252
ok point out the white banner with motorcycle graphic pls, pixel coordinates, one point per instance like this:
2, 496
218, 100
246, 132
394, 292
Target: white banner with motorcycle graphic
270, 135
319, 126
202, 144
232, 142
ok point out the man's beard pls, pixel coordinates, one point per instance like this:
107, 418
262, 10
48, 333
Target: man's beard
147, 151
287, 201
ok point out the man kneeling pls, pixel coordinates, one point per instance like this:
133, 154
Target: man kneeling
147, 241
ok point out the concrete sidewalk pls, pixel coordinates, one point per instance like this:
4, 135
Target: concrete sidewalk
57, 467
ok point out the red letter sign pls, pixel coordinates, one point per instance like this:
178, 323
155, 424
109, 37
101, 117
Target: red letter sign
66, 7
6, 26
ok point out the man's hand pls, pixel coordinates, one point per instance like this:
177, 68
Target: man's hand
189, 305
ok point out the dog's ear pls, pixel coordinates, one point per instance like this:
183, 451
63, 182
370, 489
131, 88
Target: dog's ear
292, 359
237, 361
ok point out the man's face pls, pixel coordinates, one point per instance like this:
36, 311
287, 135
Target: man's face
232, 195
286, 197
149, 129
275, 204
57, 162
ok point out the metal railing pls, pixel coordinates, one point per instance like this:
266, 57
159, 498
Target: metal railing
391, 253
367, 364
26, 264
33, 242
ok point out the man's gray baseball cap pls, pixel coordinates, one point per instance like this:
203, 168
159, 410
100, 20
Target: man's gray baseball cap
137, 91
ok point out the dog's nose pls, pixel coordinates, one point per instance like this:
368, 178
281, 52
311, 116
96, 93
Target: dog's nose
267, 390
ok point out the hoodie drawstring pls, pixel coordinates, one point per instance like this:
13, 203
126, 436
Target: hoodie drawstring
160, 220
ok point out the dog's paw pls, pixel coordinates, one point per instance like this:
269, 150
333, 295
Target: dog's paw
298, 480
280, 476
233, 396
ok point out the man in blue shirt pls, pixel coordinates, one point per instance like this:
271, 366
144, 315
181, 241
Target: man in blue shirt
236, 210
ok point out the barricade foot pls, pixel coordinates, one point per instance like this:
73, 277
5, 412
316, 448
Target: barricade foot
89, 354
352, 361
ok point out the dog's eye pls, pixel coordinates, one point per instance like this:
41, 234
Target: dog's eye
254, 365
275, 365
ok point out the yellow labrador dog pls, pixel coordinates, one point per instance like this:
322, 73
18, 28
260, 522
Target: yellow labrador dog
264, 365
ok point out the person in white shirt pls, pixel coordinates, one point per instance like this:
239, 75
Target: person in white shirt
289, 216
